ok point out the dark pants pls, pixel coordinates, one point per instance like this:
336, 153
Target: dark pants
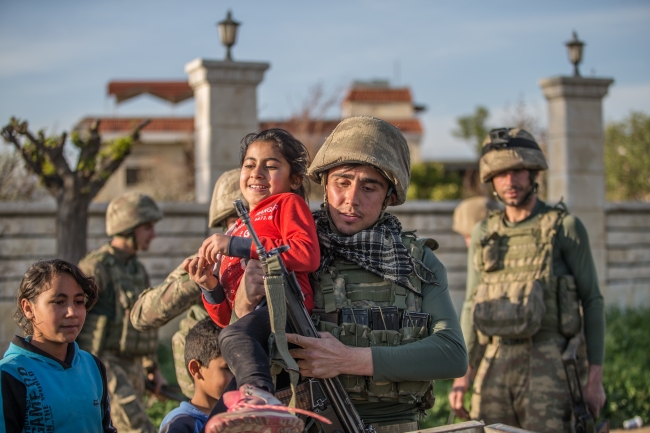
244, 346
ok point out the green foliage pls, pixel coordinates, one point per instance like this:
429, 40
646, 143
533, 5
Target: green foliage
117, 148
626, 375
429, 181
473, 127
627, 158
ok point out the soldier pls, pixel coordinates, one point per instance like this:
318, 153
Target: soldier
366, 261
529, 270
108, 332
469, 212
178, 293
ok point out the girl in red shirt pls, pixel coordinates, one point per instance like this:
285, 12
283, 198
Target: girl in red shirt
274, 166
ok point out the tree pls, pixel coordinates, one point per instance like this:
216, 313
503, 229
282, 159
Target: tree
72, 189
473, 127
627, 158
429, 181
16, 183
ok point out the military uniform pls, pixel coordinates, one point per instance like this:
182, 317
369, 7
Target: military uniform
178, 293
407, 360
526, 283
108, 332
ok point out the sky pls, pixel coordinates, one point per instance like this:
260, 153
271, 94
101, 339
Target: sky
56, 58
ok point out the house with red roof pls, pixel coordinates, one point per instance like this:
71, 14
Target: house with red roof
166, 147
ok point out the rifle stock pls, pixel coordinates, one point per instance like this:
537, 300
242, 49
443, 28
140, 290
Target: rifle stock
327, 395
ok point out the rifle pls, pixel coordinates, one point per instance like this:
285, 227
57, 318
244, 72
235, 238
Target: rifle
328, 396
584, 421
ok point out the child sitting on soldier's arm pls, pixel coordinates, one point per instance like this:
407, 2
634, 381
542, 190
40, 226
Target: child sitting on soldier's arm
210, 374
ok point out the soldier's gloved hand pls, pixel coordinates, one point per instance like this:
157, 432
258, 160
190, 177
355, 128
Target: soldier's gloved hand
594, 393
457, 395
200, 272
213, 246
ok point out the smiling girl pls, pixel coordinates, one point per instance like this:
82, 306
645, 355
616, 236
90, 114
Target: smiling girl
273, 169
46, 381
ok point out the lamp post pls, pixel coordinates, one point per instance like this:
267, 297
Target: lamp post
574, 47
228, 33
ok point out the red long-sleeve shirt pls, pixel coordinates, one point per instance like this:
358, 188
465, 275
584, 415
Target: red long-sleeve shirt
282, 219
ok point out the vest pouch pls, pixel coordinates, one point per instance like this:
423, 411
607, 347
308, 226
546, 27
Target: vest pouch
137, 343
377, 391
490, 253
354, 335
568, 306
509, 309
411, 392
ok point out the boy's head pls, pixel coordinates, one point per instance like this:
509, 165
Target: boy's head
204, 362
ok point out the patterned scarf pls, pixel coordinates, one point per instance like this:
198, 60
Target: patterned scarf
378, 249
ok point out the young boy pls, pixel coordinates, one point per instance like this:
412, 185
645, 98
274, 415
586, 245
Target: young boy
210, 374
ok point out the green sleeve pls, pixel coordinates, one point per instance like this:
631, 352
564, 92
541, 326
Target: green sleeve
473, 280
442, 355
158, 305
573, 242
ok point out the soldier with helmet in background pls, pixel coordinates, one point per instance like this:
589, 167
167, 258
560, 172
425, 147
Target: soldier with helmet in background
178, 293
469, 212
108, 333
530, 272
391, 278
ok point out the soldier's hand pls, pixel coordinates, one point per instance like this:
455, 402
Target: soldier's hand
594, 393
457, 395
158, 380
200, 272
213, 246
251, 288
327, 357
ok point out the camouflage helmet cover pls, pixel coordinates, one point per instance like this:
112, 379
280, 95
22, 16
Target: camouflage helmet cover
470, 211
128, 211
226, 191
509, 149
369, 141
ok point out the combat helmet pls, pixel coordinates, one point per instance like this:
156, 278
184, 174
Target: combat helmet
226, 190
509, 149
128, 211
470, 211
370, 141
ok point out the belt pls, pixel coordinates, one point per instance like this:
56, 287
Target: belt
540, 336
398, 428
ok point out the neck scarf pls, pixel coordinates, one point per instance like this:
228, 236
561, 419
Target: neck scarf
378, 249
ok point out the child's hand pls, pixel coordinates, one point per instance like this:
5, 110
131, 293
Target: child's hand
200, 272
214, 245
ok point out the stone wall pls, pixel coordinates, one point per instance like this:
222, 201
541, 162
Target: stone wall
27, 234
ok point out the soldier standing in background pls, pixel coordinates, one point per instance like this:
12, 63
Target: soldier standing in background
530, 270
108, 333
178, 293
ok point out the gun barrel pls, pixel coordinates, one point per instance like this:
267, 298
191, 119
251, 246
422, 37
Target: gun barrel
245, 218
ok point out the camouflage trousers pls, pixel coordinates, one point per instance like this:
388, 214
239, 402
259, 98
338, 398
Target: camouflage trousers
523, 385
126, 388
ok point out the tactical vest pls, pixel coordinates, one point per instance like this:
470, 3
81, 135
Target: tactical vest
518, 294
119, 335
347, 285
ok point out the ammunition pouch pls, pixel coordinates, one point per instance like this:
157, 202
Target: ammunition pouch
365, 388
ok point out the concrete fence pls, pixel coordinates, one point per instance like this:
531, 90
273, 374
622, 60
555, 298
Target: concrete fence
27, 233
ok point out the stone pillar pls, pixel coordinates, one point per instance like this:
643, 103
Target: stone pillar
225, 111
575, 155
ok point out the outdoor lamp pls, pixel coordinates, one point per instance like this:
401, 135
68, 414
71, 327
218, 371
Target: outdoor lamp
574, 46
228, 33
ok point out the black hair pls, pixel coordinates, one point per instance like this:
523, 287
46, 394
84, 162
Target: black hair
291, 149
37, 280
202, 343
